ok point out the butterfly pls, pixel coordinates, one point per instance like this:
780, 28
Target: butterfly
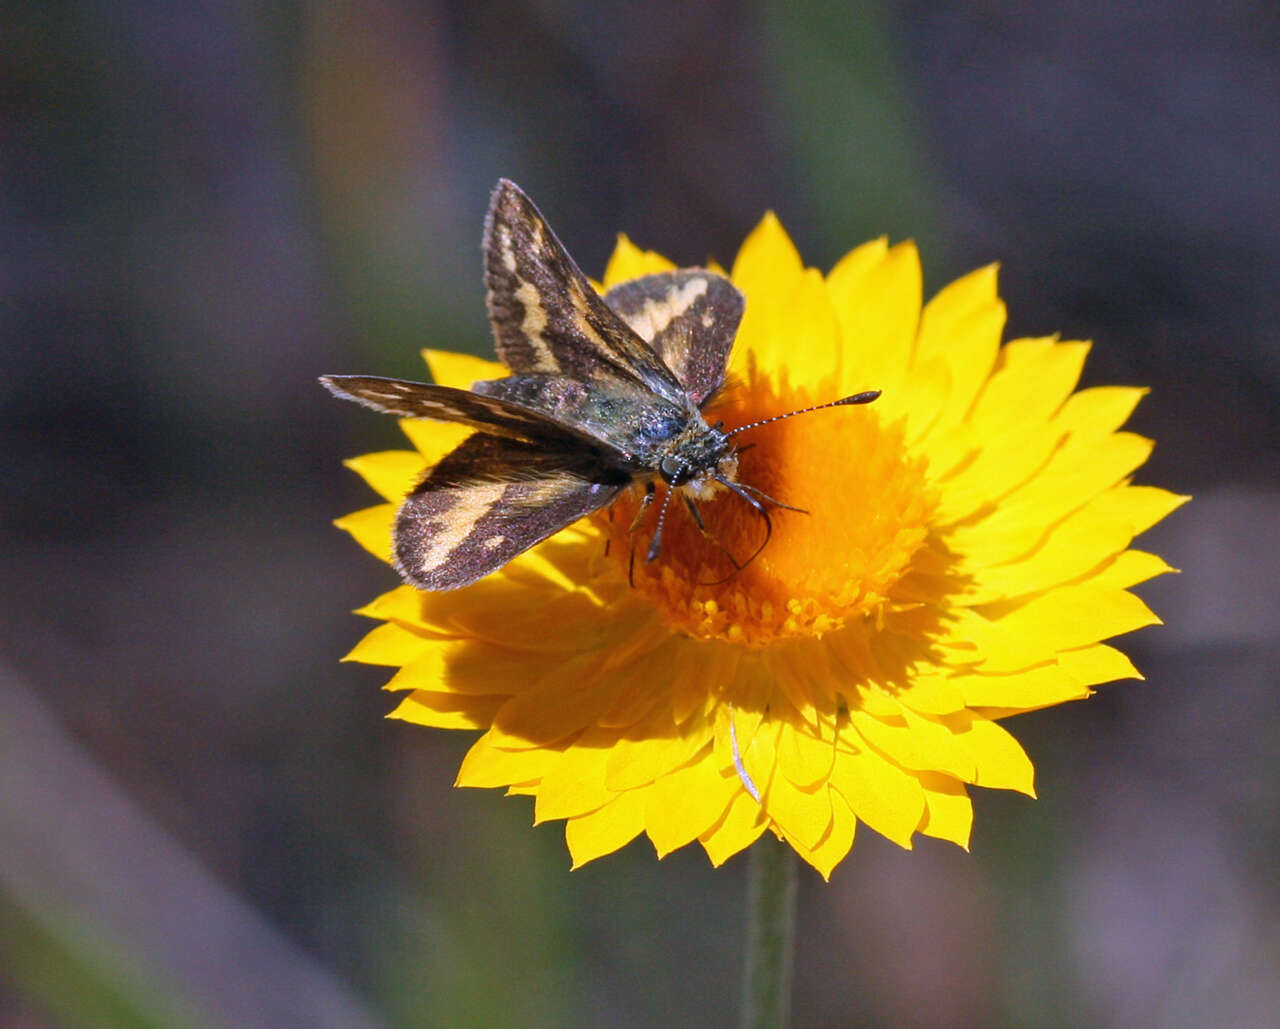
605, 393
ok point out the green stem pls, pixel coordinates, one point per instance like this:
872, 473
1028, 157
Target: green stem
771, 930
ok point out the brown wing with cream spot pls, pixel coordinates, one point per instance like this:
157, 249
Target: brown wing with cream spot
490, 500
689, 318
497, 416
547, 318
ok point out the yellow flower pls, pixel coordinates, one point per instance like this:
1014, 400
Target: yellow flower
962, 558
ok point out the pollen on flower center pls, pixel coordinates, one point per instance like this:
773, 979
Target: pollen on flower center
867, 513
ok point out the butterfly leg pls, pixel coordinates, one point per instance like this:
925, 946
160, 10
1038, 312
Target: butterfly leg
755, 490
742, 490
706, 534
645, 501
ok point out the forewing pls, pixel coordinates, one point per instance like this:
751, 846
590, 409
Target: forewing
635, 426
689, 318
494, 415
489, 501
547, 318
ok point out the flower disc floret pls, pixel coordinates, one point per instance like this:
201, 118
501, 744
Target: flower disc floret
863, 512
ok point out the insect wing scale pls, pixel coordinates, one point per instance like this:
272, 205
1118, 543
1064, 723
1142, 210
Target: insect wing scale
689, 318
635, 426
490, 500
493, 414
547, 317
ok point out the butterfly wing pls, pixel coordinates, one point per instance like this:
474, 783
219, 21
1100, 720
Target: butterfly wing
547, 318
492, 414
637, 427
490, 500
689, 318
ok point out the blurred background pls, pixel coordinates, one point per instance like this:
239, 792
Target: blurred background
204, 819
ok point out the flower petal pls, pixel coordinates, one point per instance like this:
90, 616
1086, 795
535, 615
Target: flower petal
447, 710
768, 264
628, 261
1074, 616
503, 610
476, 668
739, 827
607, 829
1140, 506
948, 811
932, 695
878, 792
461, 371
1084, 541
805, 757
1023, 690
553, 709
1128, 569
961, 326
768, 271
1073, 477
914, 742
1099, 411
1001, 763
652, 748
488, 764
705, 666
686, 803
804, 815
371, 528
1096, 664
389, 644
574, 785
998, 468
836, 843
879, 312
433, 440
392, 473
1032, 380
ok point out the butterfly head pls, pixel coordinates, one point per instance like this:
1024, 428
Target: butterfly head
699, 460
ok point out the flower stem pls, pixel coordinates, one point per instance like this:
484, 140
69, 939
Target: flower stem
771, 924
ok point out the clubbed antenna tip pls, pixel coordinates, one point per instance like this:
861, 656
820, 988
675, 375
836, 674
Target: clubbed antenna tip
859, 398
864, 397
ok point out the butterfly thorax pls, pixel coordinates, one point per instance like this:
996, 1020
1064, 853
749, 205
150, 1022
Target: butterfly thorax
698, 458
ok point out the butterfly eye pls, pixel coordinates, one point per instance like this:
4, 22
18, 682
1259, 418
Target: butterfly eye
673, 470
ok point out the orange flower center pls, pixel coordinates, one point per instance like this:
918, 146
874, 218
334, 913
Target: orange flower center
867, 513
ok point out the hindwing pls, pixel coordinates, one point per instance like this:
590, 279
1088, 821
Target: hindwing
689, 318
490, 500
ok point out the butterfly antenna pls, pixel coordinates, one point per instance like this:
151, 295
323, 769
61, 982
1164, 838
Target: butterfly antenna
857, 398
